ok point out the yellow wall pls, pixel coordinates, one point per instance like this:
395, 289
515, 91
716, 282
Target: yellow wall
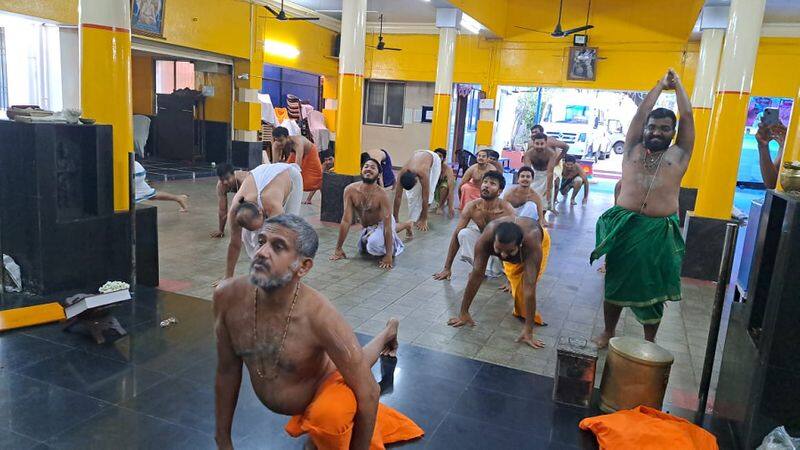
313, 41
772, 77
491, 14
64, 11
143, 84
218, 107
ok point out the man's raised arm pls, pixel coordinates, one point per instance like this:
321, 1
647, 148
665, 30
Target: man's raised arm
685, 139
636, 127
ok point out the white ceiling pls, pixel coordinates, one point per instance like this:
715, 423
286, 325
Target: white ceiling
777, 11
394, 11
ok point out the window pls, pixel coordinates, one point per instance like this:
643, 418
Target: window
279, 82
3, 77
173, 75
384, 103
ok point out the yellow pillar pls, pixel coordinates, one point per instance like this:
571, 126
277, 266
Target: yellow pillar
330, 87
485, 131
724, 143
440, 128
247, 81
791, 148
105, 48
703, 100
351, 87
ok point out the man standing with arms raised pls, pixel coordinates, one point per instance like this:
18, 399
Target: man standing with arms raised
370, 204
640, 235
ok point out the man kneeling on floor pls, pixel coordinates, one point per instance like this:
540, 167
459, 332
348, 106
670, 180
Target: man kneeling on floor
303, 358
372, 208
517, 241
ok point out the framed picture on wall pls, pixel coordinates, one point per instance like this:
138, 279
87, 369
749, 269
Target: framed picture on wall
427, 114
147, 17
582, 64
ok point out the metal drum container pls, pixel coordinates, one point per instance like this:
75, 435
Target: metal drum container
575, 370
636, 373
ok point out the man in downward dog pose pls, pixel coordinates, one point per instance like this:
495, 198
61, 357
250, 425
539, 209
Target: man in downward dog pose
303, 358
640, 235
299, 150
371, 206
228, 182
517, 241
270, 190
418, 178
445, 187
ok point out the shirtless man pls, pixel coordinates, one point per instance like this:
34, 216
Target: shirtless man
640, 235
299, 150
269, 190
443, 194
302, 357
526, 201
229, 181
514, 240
470, 187
573, 177
474, 218
543, 160
769, 168
418, 177
560, 147
373, 210
387, 178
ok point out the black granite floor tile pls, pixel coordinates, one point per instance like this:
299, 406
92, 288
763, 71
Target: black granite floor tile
465, 433
427, 362
40, 410
412, 386
426, 415
120, 428
500, 410
18, 351
513, 382
93, 375
11, 440
565, 428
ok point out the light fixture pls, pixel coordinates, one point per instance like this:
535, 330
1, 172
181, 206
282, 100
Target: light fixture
470, 24
281, 49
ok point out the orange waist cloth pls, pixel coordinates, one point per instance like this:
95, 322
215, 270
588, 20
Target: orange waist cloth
644, 428
311, 168
329, 419
514, 274
469, 192
281, 114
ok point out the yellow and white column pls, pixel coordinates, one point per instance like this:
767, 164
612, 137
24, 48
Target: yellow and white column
440, 129
791, 149
703, 100
724, 143
247, 83
351, 87
105, 52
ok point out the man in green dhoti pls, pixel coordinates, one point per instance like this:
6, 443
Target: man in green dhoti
640, 235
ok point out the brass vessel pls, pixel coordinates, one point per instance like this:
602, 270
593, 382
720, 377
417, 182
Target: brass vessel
790, 176
636, 373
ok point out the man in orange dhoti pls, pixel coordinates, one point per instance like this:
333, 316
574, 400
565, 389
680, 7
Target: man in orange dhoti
303, 358
292, 149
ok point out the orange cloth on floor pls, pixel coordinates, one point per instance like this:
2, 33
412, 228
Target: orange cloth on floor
469, 192
514, 274
311, 168
644, 428
329, 419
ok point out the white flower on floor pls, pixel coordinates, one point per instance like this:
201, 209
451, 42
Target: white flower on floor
113, 286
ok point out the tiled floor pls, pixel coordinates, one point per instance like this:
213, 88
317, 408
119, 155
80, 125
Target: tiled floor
154, 389
569, 293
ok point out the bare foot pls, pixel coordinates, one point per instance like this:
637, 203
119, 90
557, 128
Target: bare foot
573, 202
409, 233
602, 340
391, 343
307, 202
183, 201
505, 287
602, 269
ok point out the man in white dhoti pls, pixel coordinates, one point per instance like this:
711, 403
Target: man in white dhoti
418, 178
143, 191
370, 204
269, 190
474, 218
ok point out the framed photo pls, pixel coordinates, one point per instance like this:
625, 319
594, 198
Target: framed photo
427, 114
147, 17
582, 64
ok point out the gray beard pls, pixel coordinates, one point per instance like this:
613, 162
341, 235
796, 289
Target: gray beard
270, 284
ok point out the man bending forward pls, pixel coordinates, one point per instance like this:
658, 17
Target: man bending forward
302, 357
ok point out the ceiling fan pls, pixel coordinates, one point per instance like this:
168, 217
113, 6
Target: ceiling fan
281, 15
558, 31
382, 45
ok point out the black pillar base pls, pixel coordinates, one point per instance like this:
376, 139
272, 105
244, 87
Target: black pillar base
705, 238
333, 185
686, 201
246, 154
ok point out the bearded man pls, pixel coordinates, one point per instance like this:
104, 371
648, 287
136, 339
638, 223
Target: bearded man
640, 235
